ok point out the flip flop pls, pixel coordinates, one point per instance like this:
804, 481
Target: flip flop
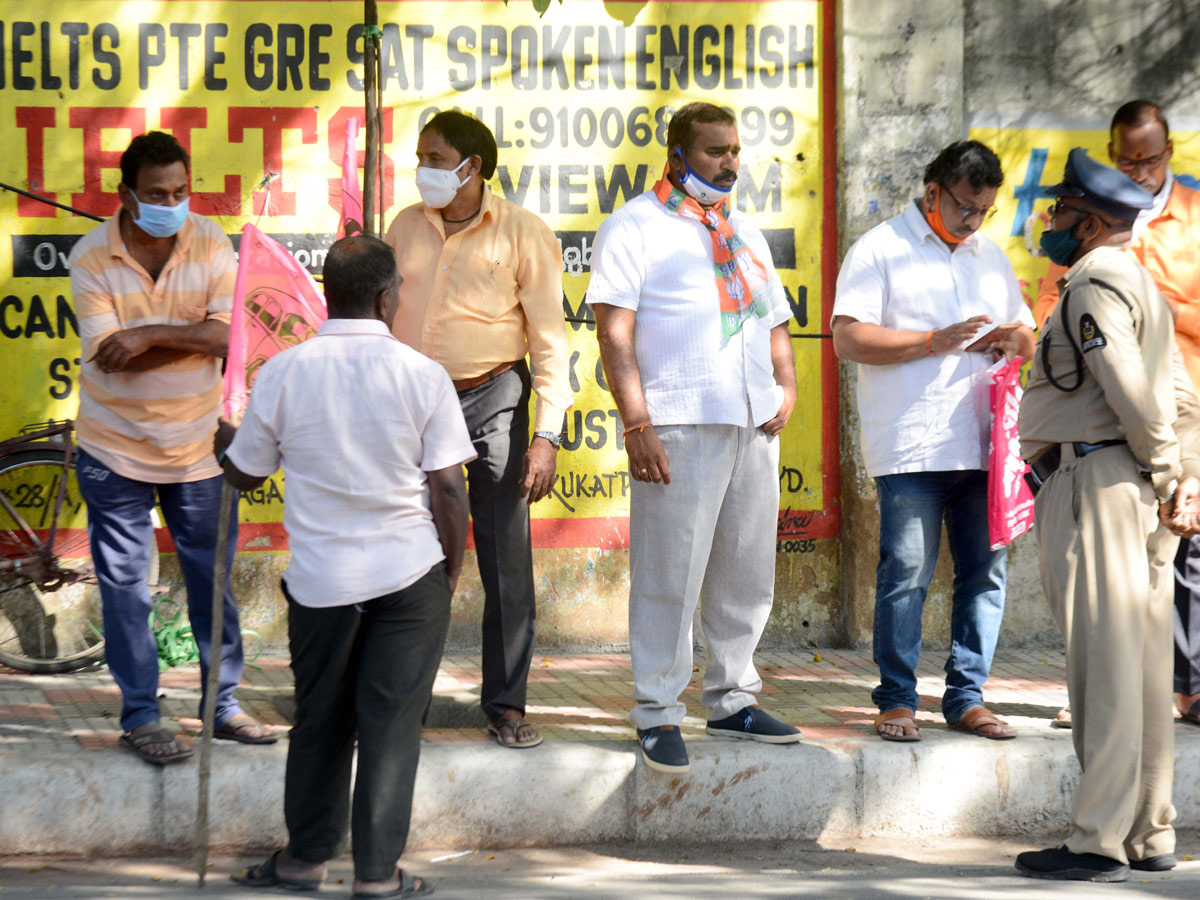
235, 729
1063, 719
515, 725
979, 721
139, 743
264, 875
407, 889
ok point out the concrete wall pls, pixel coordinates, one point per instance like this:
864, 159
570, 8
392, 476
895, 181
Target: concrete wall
915, 76
903, 91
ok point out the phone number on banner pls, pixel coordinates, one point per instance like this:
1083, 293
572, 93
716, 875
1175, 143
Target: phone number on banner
614, 127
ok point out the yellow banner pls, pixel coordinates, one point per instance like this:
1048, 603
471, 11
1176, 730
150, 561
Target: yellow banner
1033, 160
261, 92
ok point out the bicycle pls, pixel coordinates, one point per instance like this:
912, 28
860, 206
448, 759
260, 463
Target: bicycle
49, 600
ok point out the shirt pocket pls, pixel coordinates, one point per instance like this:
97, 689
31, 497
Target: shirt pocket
488, 287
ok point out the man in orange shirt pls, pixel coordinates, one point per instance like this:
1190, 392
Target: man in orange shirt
1165, 242
482, 289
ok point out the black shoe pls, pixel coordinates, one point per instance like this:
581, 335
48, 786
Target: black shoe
751, 723
1060, 864
663, 749
1159, 863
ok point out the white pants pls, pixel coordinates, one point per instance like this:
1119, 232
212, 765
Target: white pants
708, 534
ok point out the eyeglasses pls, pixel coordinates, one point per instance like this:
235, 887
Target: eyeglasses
966, 212
1060, 207
1126, 164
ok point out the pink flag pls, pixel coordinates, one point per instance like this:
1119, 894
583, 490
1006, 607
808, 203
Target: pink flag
352, 201
276, 305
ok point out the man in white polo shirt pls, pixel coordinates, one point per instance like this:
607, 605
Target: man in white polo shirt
692, 324
918, 301
372, 441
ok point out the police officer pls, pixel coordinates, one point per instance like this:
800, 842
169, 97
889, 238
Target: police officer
1110, 424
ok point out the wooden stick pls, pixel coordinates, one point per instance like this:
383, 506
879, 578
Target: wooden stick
200, 837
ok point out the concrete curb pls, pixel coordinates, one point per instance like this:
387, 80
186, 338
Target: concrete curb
469, 795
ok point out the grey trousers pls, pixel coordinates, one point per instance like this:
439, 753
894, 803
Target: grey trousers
362, 671
497, 415
707, 537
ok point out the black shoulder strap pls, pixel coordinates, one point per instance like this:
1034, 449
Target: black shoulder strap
1066, 298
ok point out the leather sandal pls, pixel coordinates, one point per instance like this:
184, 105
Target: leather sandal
514, 725
980, 721
896, 717
1192, 715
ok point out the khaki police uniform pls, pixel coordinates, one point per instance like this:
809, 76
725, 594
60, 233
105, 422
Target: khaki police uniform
1124, 420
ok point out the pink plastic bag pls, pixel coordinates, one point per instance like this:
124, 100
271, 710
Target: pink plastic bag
1010, 502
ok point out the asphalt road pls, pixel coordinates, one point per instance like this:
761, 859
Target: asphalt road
863, 869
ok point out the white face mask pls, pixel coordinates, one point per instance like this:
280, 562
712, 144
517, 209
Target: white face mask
439, 186
704, 192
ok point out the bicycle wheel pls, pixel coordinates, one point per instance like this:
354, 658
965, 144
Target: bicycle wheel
50, 607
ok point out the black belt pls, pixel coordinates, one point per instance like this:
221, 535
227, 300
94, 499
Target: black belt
1046, 463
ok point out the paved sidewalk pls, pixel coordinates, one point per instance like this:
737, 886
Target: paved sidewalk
69, 790
571, 697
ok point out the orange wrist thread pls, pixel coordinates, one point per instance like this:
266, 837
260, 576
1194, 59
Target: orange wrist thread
929, 342
631, 428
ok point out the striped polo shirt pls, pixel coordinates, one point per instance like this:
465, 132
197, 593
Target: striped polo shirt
155, 426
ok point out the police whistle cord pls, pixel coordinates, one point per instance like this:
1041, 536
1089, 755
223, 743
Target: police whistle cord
70, 209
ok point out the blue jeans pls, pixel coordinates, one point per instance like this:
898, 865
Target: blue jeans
120, 530
912, 507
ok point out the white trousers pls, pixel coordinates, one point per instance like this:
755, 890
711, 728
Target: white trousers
707, 537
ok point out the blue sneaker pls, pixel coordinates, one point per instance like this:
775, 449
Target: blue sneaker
751, 723
663, 749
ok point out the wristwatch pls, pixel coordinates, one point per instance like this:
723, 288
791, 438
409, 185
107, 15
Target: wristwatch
554, 438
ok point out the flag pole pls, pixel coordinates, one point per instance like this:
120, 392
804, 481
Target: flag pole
208, 717
371, 34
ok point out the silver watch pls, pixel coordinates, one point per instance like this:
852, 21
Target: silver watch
553, 437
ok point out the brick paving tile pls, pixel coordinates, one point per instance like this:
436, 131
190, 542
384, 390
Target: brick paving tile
582, 697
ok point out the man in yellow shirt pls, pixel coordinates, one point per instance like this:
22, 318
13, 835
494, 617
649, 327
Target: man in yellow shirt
1164, 241
482, 290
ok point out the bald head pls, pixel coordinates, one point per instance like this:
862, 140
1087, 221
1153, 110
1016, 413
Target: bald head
1140, 143
361, 279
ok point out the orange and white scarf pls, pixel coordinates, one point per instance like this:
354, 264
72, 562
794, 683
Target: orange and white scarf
743, 284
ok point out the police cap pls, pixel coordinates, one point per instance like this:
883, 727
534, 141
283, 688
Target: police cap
1102, 186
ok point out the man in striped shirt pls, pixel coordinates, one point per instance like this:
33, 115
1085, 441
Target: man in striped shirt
153, 289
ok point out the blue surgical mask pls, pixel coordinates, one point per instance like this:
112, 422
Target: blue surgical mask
1060, 246
702, 191
161, 221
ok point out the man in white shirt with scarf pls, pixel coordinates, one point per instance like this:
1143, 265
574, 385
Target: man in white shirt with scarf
692, 324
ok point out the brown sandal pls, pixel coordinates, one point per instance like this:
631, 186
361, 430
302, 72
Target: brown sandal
980, 721
911, 731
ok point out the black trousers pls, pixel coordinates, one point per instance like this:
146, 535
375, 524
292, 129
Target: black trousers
1187, 617
362, 671
497, 415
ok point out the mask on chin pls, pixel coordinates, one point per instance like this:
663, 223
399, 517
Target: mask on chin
934, 217
161, 221
439, 186
703, 192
